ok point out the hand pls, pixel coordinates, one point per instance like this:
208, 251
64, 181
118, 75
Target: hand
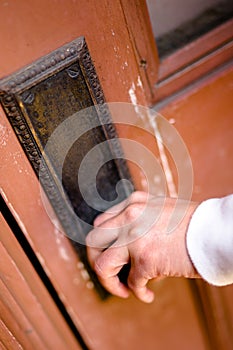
136, 232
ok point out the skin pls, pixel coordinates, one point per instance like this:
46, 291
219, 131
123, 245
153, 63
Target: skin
139, 231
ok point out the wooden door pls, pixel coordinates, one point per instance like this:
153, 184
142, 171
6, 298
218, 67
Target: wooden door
185, 315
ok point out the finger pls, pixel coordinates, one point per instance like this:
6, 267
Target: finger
92, 255
137, 284
109, 231
115, 287
111, 283
111, 212
137, 196
107, 266
102, 237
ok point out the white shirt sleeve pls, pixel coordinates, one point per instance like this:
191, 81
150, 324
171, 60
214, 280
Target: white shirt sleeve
210, 240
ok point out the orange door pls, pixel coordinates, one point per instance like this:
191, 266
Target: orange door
185, 314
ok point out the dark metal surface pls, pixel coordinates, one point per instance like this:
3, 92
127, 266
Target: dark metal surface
40, 97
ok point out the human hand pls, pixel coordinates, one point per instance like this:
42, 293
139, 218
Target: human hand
135, 232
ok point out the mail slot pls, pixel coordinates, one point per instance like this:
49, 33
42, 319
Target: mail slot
57, 109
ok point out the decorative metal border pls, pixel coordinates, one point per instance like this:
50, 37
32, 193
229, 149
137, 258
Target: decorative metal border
21, 81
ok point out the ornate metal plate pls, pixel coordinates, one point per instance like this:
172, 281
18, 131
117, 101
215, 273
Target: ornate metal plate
40, 97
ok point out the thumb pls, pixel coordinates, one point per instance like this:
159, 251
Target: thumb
137, 284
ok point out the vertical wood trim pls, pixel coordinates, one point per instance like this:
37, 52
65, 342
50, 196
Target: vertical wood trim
15, 320
28, 299
8, 341
143, 43
218, 316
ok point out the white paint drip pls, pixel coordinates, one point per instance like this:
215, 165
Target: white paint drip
139, 82
3, 135
80, 265
172, 121
132, 95
151, 119
90, 285
133, 98
167, 170
85, 275
62, 251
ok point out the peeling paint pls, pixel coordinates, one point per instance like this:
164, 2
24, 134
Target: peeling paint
139, 82
132, 94
124, 65
168, 173
151, 120
85, 275
134, 101
4, 134
80, 265
62, 251
90, 285
172, 121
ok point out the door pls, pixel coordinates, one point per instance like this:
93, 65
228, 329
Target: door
185, 314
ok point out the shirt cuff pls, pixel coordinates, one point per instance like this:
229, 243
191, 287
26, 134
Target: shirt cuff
210, 240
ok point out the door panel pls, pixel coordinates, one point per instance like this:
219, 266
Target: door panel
204, 118
27, 310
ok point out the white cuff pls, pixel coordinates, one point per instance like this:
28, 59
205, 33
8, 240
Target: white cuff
210, 240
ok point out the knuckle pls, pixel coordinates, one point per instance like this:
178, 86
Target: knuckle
143, 262
132, 212
88, 240
132, 283
91, 238
136, 196
99, 269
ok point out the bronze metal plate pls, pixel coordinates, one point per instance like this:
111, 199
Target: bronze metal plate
36, 100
